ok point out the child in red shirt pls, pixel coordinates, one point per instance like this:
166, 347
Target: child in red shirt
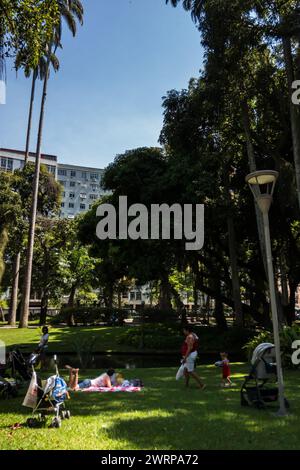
224, 364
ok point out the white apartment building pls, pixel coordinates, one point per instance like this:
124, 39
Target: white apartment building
11, 160
82, 186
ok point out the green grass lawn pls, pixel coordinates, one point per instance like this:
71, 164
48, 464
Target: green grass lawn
164, 416
63, 339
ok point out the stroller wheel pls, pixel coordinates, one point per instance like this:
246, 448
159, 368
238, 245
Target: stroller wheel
31, 422
68, 414
56, 423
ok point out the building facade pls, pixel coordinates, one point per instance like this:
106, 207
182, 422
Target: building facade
82, 186
12, 160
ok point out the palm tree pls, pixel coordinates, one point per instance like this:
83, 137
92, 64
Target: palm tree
39, 72
71, 11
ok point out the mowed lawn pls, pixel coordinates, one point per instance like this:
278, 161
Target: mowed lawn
103, 339
164, 415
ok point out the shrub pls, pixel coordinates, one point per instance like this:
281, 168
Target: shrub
85, 315
287, 336
170, 337
158, 337
157, 315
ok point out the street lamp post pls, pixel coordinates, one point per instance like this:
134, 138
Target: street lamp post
262, 185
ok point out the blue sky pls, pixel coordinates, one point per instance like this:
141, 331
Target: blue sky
107, 96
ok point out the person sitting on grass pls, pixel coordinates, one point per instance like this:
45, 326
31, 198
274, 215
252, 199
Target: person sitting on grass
189, 351
44, 339
107, 380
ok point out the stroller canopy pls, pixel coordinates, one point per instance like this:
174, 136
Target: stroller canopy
260, 350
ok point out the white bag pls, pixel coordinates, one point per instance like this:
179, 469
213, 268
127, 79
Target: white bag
180, 372
30, 400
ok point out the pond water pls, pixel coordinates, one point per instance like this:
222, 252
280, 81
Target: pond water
128, 361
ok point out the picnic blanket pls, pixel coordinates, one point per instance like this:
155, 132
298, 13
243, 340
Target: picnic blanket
129, 389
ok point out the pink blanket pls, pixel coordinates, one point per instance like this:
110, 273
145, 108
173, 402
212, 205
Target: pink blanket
112, 389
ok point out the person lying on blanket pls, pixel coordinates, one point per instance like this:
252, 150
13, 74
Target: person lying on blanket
108, 379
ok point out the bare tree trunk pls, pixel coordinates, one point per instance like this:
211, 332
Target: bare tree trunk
294, 112
14, 292
29, 258
236, 288
3, 245
219, 309
44, 308
252, 167
71, 302
165, 293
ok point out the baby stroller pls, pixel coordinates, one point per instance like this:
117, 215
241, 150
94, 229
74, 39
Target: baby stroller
12, 374
16, 367
259, 387
47, 398
8, 388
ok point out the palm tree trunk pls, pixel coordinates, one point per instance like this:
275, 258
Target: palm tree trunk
29, 125
29, 258
14, 292
15, 286
294, 113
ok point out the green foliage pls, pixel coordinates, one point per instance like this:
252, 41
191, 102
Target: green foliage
158, 315
287, 336
170, 337
159, 337
85, 315
84, 347
28, 27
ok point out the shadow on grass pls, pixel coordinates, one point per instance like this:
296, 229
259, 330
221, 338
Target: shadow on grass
165, 415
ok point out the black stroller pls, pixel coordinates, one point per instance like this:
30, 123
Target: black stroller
259, 387
15, 371
47, 398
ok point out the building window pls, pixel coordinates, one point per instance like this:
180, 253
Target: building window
72, 195
94, 176
125, 295
84, 175
7, 164
71, 205
94, 197
62, 172
62, 204
132, 295
64, 194
82, 207
51, 169
72, 184
138, 296
73, 174
83, 195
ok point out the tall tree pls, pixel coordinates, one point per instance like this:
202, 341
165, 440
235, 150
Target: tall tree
70, 11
